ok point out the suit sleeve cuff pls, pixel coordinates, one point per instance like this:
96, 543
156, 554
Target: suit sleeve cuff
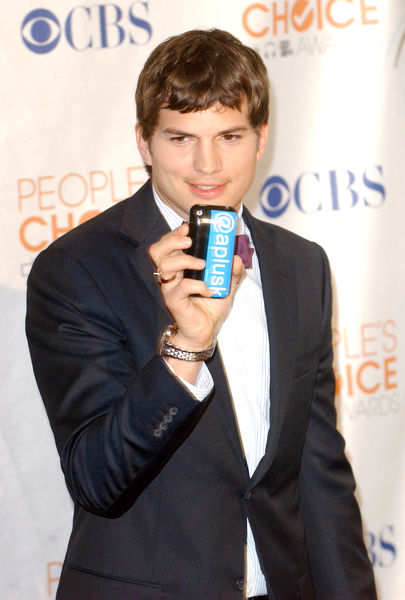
203, 384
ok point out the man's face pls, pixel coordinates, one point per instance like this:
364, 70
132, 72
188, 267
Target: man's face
205, 157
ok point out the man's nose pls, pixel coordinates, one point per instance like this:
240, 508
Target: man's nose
207, 158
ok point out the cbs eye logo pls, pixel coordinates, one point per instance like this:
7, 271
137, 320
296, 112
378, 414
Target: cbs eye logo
40, 31
275, 196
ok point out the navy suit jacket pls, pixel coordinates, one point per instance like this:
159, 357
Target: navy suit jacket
159, 481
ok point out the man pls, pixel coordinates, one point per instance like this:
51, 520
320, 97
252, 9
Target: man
196, 472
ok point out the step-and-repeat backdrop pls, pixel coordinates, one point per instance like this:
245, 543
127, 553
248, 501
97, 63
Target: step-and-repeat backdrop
334, 172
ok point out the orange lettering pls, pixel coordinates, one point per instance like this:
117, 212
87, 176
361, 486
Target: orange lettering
113, 198
339, 383
281, 17
133, 185
302, 15
390, 335
88, 215
58, 231
349, 380
332, 20
31, 247
94, 187
389, 385
61, 186
346, 344
21, 195
245, 22
336, 337
51, 578
364, 10
42, 192
365, 339
319, 12
360, 383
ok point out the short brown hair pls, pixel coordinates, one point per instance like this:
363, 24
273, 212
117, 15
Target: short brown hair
197, 69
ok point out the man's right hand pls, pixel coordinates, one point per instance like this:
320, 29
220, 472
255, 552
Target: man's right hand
198, 316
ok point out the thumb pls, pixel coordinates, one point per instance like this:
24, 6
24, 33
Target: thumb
238, 271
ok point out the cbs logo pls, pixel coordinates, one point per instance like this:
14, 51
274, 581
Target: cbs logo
99, 26
381, 546
333, 190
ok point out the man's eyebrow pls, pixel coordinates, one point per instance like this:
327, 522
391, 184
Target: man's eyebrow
241, 128
179, 132
172, 131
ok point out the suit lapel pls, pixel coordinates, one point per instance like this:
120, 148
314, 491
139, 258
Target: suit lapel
279, 292
143, 223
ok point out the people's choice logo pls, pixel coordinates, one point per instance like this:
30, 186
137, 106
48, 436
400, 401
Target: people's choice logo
40, 31
224, 222
366, 367
51, 205
296, 27
313, 191
94, 27
260, 19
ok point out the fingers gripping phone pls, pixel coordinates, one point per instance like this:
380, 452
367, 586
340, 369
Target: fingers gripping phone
212, 230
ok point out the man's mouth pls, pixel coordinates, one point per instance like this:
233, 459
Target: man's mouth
207, 191
206, 187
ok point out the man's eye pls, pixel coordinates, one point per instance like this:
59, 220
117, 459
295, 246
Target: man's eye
230, 137
179, 139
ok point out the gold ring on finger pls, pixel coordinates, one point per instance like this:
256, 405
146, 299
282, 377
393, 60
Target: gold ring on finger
161, 279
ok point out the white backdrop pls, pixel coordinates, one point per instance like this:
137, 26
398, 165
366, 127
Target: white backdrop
333, 172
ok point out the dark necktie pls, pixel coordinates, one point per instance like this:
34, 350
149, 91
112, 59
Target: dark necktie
244, 250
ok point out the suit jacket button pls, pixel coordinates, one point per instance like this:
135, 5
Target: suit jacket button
173, 410
158, 433
241, 584
247, 494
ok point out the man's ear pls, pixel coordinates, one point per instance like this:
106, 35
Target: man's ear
143, 145
262, 140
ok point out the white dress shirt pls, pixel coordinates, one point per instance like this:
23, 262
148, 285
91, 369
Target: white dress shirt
248, 375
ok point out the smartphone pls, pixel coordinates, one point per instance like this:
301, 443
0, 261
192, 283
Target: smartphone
212, 230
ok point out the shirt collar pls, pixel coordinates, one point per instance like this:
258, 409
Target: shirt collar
172, 218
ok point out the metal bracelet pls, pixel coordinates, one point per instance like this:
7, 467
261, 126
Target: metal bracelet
166, 348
